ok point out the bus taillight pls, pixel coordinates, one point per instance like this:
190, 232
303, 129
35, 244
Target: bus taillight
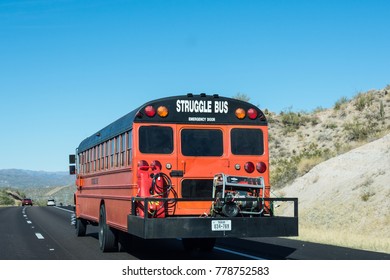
156, 165
143, 165
150, 111
252, 114
249, 167
261, 167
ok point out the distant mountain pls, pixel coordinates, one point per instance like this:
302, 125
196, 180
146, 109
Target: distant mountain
18, 178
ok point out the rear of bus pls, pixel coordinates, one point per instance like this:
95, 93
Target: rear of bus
208, 157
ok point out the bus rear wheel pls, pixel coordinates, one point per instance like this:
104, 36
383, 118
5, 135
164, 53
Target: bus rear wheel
81, 227
107, 237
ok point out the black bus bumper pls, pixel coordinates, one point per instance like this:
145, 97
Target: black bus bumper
204, 227
195, 227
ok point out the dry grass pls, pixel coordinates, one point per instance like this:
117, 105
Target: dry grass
344, 238
340, 228
306, 164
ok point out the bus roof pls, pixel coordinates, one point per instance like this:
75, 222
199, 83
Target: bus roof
194, 109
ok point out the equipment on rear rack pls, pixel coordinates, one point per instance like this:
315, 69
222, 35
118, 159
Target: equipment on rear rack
237, 196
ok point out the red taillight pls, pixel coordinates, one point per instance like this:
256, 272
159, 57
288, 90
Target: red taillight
252, 113
150, 111
261, 167
156, 165
249, 167
143, 165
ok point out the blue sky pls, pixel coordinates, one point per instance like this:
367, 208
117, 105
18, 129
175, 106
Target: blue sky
69, 68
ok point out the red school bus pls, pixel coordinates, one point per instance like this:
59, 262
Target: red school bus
194, 167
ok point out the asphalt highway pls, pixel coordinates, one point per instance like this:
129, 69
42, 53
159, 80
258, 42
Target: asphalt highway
46, 233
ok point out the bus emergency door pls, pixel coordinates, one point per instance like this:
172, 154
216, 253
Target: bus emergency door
201, 154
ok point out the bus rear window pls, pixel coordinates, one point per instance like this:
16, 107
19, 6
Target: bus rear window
247, 141
201, 142
200, 188
155, 140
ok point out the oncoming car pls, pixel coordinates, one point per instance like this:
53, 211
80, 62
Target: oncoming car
27, 201
51, 202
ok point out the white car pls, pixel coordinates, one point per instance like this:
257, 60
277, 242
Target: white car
51, 202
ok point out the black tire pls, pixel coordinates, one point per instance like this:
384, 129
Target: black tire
107, 237
81, 227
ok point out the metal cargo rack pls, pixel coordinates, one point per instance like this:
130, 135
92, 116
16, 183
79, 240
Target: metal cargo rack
201, 226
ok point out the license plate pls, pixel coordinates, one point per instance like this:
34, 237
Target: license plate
221, 225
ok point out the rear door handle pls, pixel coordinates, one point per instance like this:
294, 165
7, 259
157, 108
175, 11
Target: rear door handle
176, 173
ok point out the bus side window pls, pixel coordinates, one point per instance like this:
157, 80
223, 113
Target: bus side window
123, 149
129, 147
88, 160
112, 152
102, 156
106, 146
117, 147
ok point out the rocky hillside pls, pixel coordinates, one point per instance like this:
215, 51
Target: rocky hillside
301, 140
346, 199
337, 162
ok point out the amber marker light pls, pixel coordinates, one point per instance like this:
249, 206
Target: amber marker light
240, 113
162, 111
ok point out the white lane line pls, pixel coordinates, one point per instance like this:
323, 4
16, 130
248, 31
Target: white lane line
70, 211
238, 253
39, 236
29, 222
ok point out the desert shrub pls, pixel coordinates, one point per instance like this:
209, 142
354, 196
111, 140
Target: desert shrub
306, 164
357, 131
311, 151
340, 102
330, 125
366, 194
292, 121
363, 100
5, 199
283, 172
